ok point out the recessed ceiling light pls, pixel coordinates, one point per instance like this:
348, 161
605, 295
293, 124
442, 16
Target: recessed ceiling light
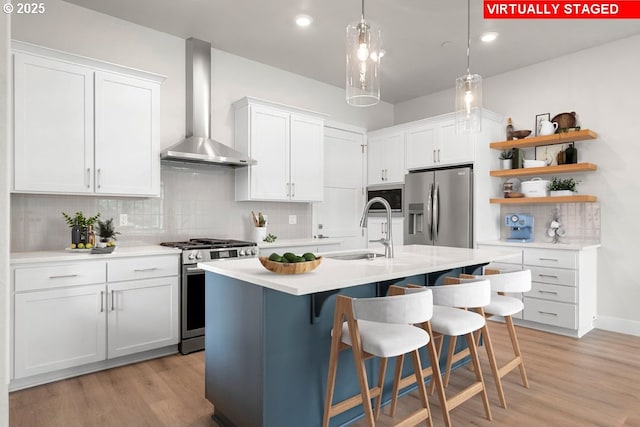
303, 20
489, 37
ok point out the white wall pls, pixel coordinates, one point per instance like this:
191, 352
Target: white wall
5, 22
599, 85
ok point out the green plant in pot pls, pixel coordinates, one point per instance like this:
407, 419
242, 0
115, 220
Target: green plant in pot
562, 187
79, 227
107, 232
506, 157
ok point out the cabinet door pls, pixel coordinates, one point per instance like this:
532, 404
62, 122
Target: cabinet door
53, 109
142, 315
421, 147
385, 158
269, 145
127, 143
377, 228
307, 159
59, 329
454, 148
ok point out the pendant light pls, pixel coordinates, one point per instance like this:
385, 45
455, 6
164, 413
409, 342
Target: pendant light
468, 94
363, 63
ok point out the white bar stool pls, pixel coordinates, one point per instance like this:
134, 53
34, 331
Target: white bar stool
381, 327
450, 318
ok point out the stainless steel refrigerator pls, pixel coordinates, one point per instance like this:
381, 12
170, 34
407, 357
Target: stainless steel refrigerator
438, 207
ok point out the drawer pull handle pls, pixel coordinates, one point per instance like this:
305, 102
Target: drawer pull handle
548, 313
547, 275
101, 301
548, 259
113, 301
140, 270
62, 276
548, 292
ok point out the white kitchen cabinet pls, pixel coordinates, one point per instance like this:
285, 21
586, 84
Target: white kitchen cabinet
434, 143
287, 144
377, 229
84, 127
385, 157
70, 315
563, 296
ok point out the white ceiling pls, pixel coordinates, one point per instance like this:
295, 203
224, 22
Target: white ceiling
413, 31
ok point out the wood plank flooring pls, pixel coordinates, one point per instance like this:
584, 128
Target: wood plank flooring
593, 381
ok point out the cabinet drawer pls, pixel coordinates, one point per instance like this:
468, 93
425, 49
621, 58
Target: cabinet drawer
552, 292
555, 276
60, 275
549, 312
550, 258
142, 268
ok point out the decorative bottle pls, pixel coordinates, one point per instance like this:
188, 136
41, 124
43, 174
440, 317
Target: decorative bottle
509, 130
91, 237
75, 233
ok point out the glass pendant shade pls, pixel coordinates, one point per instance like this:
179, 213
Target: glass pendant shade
468, 103
363, 64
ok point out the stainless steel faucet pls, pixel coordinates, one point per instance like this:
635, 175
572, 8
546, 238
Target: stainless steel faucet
388, 241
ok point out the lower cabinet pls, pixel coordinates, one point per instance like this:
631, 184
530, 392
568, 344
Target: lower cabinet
563, 295
76, 321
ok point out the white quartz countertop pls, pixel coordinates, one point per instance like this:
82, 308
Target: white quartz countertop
285, 243
334, 274
542, 245
63, 255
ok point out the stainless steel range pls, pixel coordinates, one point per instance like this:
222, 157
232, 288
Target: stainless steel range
192, 282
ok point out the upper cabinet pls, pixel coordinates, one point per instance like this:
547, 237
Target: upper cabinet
434, 143
83, 126
288, 145
385, 157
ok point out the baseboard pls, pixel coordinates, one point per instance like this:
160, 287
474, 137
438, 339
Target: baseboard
616, 324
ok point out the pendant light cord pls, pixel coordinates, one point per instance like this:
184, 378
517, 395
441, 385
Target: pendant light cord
468, 32
362, 16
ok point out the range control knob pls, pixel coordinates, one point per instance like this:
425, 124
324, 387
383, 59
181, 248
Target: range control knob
192, 255
254, 251
198, 255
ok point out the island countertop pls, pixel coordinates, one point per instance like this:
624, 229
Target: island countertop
334, 274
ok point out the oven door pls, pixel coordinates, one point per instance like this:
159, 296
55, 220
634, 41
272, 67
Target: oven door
192, 324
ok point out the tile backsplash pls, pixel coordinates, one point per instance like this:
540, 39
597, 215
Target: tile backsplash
580, 220
195, 201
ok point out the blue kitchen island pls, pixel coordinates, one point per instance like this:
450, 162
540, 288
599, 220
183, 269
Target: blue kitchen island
268, 336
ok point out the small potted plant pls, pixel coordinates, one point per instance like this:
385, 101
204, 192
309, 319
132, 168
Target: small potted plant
79, 225
562, 187
506, 158
107, 233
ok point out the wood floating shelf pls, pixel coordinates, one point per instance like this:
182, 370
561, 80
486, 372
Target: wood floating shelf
556, 138
545, 170
583, 198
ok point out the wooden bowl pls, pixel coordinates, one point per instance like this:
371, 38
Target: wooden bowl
521, 133
289, 267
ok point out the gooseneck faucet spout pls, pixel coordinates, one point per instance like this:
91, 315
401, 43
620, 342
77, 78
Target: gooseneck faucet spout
388, 240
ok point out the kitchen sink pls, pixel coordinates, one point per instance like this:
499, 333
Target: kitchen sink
356, 255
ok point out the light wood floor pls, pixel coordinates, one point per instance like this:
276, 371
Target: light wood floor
593, 381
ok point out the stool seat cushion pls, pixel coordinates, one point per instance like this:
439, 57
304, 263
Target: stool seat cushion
454, 321
502, 305
387, 339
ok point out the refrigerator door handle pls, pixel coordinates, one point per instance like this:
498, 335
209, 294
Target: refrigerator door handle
436, 212
430, 212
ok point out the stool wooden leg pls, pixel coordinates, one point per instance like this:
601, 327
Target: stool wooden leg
473, 350
381, 374
396, 384
436, 380
447, 372
358, 359
516, 349
488, 345
336, 340
417, 368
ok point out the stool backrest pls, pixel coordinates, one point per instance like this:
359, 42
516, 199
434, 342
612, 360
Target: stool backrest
403, 309
513, 281
476, 293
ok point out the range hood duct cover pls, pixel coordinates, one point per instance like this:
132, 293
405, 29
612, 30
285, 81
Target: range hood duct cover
198, 147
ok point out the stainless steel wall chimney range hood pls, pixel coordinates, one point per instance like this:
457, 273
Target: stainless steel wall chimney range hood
198, 147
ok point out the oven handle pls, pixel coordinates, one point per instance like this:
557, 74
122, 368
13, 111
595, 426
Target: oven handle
193, 270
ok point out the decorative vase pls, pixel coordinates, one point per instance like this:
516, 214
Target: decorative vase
506, 163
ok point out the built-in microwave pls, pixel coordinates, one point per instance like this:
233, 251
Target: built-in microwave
392, 193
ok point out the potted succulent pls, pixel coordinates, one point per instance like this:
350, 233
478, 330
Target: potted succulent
107, 233
562, 187
506, 158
